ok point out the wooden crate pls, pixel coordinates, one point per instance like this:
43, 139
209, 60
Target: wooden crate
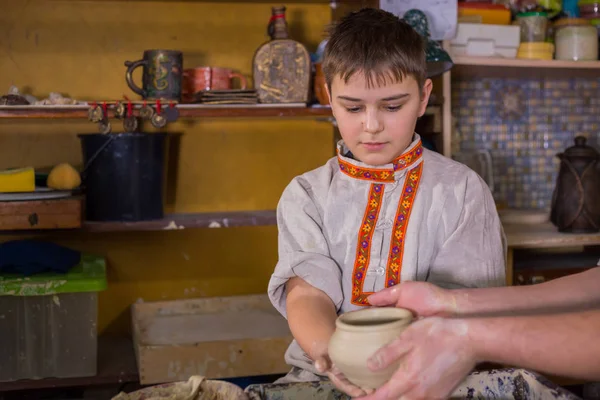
218, 337
63, 213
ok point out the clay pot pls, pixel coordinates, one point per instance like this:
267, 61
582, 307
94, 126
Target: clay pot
358, 335
319, 86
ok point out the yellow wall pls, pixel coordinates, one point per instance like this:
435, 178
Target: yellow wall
78, 48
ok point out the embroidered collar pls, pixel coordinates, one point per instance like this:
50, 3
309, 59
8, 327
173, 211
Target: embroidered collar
359, 170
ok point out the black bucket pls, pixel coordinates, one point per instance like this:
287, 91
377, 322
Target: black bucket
123, 176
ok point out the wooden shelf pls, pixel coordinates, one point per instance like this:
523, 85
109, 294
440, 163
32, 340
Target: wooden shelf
515, 67
545, 235
185, 111
116, 364
189, 221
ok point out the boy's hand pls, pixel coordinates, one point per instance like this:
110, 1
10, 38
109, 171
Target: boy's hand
422, 298
325, 366
436, 355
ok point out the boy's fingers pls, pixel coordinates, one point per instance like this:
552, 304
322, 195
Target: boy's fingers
322, 365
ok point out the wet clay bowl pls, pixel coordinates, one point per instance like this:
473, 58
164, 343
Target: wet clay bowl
358, 335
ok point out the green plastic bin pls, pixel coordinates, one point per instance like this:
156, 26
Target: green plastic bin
48, 322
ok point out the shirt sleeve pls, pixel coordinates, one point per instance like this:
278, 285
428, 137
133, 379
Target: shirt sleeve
302, 247
472, 243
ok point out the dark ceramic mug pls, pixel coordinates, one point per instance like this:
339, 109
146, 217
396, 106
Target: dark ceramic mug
161, 77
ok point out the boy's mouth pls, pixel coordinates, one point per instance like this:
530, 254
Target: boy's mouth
373, 146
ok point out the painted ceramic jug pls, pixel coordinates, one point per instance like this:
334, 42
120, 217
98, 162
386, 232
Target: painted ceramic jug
576, 198
358, 335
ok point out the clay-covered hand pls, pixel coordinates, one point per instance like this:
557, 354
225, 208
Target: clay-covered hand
435, 357
422, 298
325, 366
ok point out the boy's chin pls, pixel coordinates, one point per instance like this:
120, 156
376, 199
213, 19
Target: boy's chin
375, 159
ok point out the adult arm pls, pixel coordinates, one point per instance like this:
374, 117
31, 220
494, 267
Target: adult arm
573, 292
437, 354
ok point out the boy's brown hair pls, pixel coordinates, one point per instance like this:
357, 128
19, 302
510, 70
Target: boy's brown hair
377, 43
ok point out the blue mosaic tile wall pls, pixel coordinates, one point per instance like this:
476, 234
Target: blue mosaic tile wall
524, 123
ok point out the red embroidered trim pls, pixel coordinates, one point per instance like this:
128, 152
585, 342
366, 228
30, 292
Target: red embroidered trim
363, 246
382, 175
394, 264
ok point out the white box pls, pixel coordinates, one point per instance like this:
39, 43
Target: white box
217, 337
485, 40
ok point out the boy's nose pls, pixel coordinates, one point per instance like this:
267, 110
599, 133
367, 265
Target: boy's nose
372, 124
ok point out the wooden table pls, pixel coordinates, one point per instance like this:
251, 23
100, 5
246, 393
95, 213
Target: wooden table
541, 236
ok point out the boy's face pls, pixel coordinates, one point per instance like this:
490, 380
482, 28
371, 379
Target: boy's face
377, 123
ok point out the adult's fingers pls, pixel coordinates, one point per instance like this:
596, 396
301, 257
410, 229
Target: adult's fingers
345, 385
396, 388
390, 353
385, 297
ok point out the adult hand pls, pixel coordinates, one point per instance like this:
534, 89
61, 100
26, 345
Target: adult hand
422, 298
325, 366
435, 357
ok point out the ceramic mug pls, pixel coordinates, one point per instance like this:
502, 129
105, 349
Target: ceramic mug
210, 78
366, 331
161, 77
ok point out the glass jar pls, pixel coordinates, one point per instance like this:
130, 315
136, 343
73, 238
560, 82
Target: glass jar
575, 39
533, 25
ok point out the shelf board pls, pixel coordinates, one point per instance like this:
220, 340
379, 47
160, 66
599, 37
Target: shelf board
545, 235
189, 221
185, 111
116, 364
514, 67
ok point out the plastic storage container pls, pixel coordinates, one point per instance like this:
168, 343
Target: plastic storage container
483, 13
575, 39
485, 40
534, 26
589, 9
536, 51
48, 322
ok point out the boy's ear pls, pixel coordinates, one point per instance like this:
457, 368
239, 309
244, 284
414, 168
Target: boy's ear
425, 93
328, 90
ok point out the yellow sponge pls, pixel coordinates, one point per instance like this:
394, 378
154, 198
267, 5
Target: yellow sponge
17, 180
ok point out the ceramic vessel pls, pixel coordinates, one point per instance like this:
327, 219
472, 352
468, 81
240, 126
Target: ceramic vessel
281, 67
358, 335
575, 206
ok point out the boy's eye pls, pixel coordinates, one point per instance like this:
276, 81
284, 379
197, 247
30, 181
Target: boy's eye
393, 108
353, 109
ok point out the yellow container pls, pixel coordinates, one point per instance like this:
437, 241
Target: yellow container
483, 13
536, 51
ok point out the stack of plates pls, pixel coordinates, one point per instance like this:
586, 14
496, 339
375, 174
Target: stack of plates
235, 96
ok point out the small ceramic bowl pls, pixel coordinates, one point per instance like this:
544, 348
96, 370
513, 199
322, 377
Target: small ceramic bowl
358, 335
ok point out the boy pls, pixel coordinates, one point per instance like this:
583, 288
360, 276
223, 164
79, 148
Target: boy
385, 210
